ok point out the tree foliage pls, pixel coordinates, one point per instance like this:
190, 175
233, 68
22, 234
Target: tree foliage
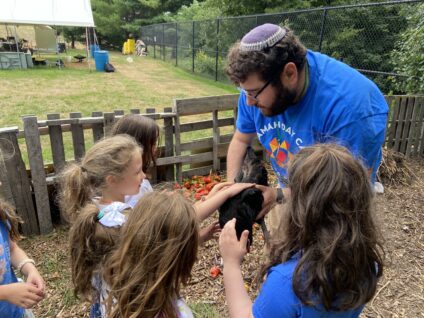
408, 56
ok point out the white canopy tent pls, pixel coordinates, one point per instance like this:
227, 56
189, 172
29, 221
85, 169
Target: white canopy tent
76, 13
47, 12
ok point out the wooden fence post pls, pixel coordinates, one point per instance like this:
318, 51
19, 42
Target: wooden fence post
18, 180
77, 137
56, 143
38, 175
169, 144
177, 130
215, 141
135, 111
98, 132
108, 120
153, 171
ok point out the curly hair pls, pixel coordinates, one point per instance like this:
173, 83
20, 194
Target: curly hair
155, 254
329, 224
267, 63
144, 130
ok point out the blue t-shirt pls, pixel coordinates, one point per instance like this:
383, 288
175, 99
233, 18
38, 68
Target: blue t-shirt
341, 105
7, 276
278, 300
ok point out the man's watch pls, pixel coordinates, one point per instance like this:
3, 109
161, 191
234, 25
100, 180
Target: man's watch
280, 196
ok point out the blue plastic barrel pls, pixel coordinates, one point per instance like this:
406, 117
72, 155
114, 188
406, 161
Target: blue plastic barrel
101, 58
93, 48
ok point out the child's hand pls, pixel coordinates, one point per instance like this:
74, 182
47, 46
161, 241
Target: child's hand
34, 278
207, 233
232, 250
218, 187
236, 188
23, 295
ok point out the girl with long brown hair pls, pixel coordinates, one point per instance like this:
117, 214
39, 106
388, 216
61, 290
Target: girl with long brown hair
92, 196
16, 298
327, 256
154, 257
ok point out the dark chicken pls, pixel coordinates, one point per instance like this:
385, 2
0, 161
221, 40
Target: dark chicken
247, 204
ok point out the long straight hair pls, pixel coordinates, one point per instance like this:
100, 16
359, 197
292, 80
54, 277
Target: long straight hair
155, 254
144, 130
329, 224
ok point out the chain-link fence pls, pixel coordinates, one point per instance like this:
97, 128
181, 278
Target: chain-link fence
363, 36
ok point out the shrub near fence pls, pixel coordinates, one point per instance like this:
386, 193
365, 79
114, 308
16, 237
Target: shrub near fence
190, 147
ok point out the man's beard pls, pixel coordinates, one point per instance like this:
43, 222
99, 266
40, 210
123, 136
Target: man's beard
284, 99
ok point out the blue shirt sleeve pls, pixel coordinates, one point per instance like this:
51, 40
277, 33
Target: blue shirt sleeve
276, 298
245, 121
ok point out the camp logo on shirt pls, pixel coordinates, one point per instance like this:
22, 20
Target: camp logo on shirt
280, 152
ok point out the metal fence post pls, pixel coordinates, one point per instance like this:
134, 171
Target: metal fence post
217, 50
193, 50
324, 19
163, 42
176, 44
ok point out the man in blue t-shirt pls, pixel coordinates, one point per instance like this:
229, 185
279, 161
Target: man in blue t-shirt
292, 97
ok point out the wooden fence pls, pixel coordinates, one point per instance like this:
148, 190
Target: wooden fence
189, 147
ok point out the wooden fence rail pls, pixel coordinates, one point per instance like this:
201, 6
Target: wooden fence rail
191, 146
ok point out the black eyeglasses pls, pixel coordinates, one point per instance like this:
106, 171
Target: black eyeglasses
254, 97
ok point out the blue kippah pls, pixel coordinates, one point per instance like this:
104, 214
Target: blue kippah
262, 37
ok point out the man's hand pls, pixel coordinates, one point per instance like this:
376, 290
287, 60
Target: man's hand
270, 198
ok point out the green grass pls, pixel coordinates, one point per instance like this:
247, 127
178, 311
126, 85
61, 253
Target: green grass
144, 82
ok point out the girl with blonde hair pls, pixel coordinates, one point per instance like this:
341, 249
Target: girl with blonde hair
327, 256
92, 197
154, 257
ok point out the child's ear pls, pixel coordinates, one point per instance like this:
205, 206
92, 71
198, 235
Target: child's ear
110, 180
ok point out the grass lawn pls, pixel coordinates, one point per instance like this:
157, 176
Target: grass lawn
142, 83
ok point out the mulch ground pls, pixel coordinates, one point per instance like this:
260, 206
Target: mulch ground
400, 293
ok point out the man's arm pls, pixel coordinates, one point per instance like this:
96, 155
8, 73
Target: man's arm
236, 152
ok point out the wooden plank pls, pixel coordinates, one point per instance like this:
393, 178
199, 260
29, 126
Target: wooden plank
416, 125
205, 124
202, 105
412, 129
108, 120
394, 113
135, 111
98, 132
184, 159
235, 111
56, 144
420, 132
150, 110
5, 188
202, 171
215, 137
169, 146
407, 124
38, 175
77, 137
18, 181
399, 126
177, 132
119, 112
389, 100
203, 143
